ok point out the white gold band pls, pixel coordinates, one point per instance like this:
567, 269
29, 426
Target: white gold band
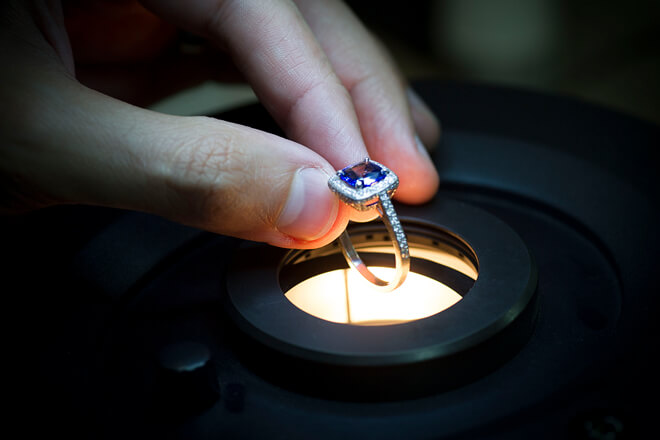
401, 252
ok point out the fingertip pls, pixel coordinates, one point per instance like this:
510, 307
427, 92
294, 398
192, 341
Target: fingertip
427, 125
340, 221
310, 209
339, 225
418, 176
419, 188
409, 159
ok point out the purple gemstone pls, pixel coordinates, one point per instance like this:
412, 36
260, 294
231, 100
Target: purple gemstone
362, 174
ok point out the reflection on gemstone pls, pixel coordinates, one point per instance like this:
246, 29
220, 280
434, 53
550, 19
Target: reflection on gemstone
362, 174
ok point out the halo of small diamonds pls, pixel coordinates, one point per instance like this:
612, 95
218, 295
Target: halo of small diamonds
362, 193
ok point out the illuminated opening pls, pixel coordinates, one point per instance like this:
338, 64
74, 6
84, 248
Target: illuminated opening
443, 269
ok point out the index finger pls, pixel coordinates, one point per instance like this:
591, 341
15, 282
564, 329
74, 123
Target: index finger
277, 52
392, 121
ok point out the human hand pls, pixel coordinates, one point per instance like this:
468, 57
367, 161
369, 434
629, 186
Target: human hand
324, 79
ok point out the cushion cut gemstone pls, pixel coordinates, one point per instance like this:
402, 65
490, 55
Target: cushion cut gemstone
362, 174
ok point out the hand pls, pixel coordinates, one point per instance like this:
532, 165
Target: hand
321, 75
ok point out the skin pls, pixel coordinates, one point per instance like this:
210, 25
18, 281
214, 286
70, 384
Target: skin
76, 133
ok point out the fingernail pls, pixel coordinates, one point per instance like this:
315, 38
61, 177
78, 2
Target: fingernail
419, 104
426, 124
421, 148
311, 208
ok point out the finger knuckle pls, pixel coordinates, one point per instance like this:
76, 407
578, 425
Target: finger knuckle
203, 170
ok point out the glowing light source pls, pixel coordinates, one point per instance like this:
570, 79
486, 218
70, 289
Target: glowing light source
343, 296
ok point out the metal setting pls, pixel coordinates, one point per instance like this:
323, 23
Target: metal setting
364, 197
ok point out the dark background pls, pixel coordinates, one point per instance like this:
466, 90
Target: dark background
605, 52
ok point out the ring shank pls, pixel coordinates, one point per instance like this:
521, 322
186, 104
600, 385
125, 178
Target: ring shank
401, 252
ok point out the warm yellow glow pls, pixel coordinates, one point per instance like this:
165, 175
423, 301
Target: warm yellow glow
447, 257
344, 296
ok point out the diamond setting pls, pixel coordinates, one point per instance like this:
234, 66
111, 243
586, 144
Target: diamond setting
358, 185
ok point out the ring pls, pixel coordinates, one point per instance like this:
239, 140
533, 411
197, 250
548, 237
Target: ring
364, 186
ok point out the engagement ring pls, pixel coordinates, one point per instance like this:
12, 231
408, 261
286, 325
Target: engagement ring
364, 186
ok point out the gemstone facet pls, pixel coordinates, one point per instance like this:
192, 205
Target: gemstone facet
360, 185
363, 174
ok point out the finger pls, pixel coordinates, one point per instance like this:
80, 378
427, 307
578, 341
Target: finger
426, 124
280, 57
379, 96
64, 143
89, 148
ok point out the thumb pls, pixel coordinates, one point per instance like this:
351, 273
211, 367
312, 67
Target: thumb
219, 176
246, 183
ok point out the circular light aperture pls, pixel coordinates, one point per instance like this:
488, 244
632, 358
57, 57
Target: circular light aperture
343, 296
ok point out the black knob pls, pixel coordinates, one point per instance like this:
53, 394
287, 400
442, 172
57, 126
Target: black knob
186, 381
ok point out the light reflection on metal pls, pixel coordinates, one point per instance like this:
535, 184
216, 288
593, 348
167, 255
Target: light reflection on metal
440, 254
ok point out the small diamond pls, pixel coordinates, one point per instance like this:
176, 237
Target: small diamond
363, 174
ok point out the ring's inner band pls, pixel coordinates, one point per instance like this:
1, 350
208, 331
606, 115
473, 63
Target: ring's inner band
443, 269
401, 252
428, 243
